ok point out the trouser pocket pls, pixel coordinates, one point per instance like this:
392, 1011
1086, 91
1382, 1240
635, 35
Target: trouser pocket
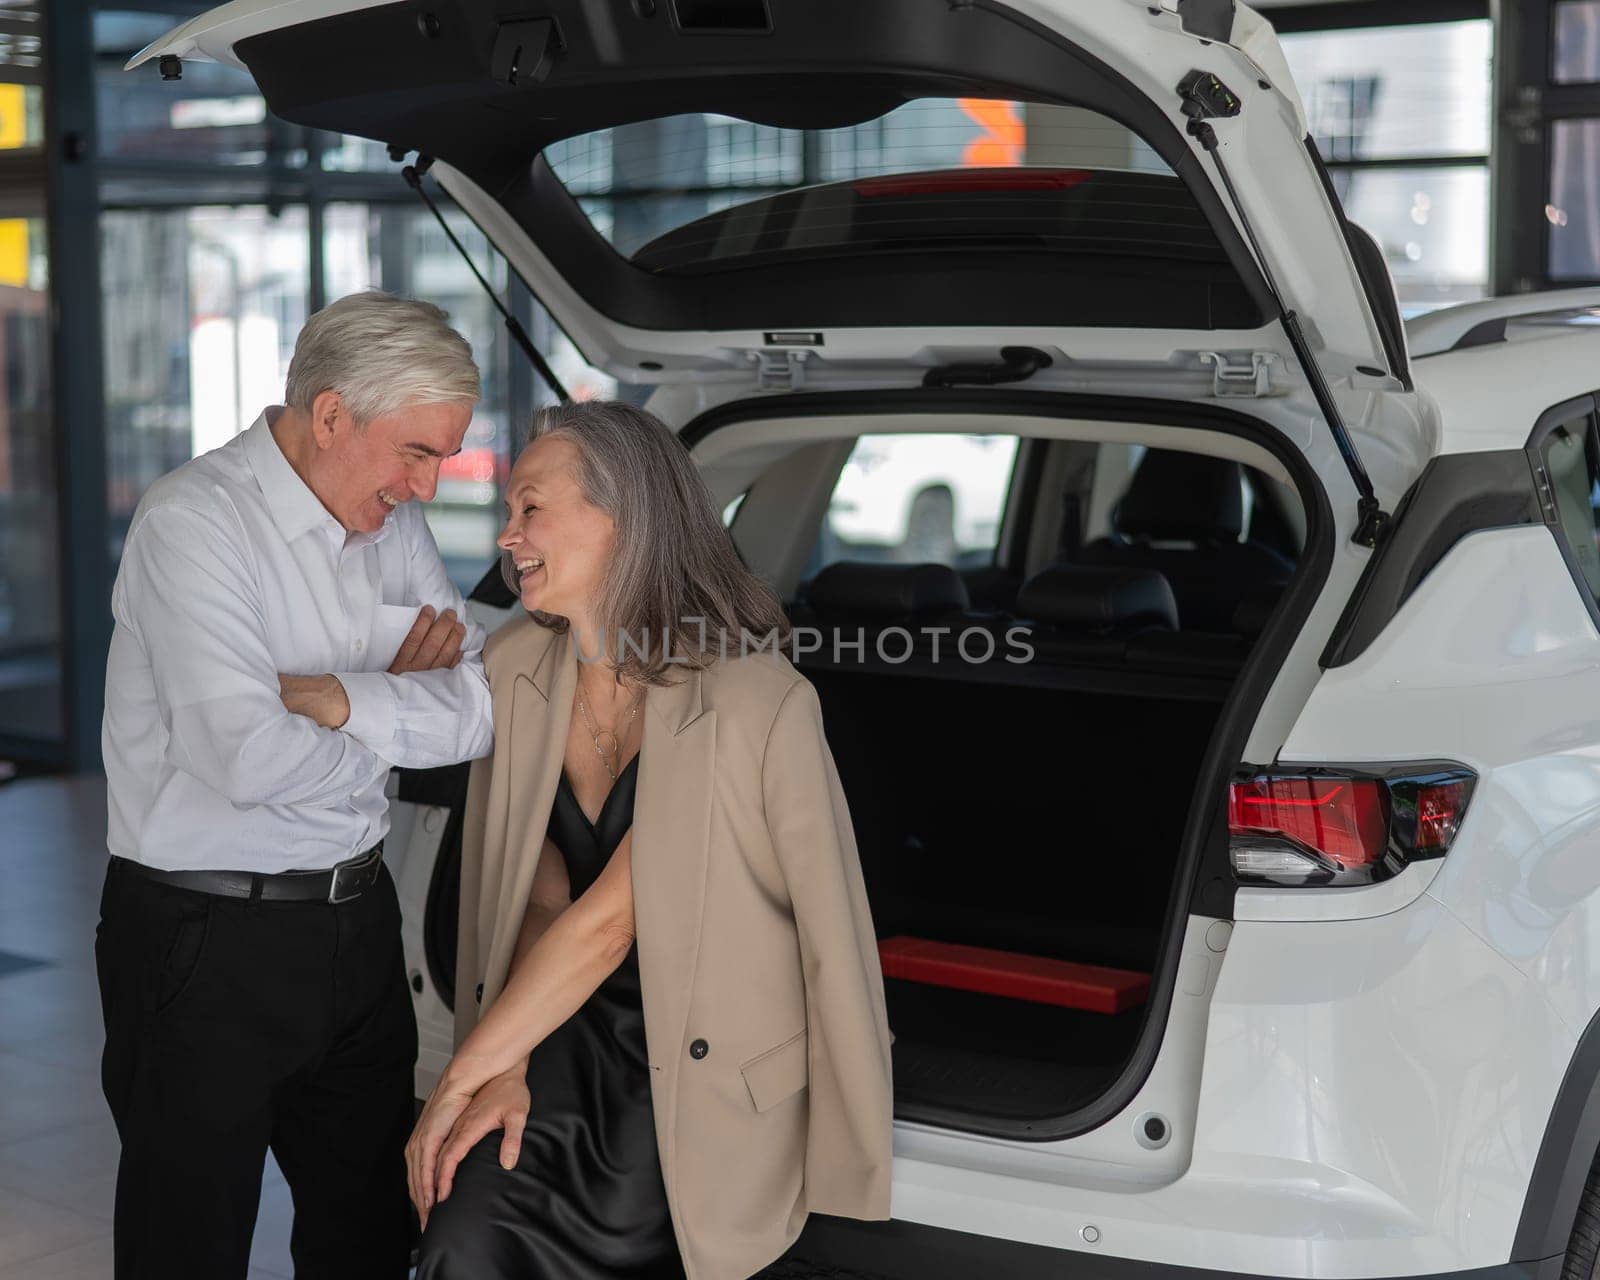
177, 926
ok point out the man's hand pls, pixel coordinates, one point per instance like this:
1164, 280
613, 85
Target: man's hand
432, 642
320, 698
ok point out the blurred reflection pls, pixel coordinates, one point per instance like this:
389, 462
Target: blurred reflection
30, 613
214, 115
201, 311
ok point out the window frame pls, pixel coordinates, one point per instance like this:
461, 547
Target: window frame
1556, 416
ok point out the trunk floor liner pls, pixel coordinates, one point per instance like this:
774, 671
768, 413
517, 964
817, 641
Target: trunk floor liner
1000, 1057
1012, 1088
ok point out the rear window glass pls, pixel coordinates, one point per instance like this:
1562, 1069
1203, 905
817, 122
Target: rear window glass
918, 498
704, 190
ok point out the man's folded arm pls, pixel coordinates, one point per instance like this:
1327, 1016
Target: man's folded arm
188, 593
424, 719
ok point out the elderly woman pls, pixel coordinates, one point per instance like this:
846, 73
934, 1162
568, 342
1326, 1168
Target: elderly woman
671, 1039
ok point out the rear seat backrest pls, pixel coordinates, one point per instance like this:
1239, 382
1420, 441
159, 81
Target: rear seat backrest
859, 590
1195, 499
1101, 599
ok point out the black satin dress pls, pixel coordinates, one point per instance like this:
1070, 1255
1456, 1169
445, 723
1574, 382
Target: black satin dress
586, 1199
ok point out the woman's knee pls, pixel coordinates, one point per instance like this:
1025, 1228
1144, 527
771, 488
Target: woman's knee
460, 1243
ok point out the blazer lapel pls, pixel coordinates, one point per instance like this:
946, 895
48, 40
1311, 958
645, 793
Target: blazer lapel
536, 738
672, 824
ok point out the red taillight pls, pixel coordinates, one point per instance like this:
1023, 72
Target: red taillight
1344, 819
1338, 827
1439, 809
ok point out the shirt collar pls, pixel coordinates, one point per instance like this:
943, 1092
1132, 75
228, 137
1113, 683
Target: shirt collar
295, 509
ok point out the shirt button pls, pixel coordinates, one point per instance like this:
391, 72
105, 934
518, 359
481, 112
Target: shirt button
359, 646
699, 1049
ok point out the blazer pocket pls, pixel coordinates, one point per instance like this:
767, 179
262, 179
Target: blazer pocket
778, 1072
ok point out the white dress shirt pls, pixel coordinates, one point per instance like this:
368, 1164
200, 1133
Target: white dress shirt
232, 572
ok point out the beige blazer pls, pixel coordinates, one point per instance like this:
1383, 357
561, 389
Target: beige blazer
753, 934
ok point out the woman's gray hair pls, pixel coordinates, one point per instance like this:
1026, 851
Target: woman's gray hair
675, 583
380, 353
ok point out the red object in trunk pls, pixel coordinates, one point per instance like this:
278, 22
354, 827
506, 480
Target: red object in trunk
1091, 987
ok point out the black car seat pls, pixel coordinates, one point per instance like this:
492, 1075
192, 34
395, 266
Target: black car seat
1182, 516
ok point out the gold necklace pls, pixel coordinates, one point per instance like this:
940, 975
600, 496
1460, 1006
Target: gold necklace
595, 733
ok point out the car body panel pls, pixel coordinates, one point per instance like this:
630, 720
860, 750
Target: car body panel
1490, 396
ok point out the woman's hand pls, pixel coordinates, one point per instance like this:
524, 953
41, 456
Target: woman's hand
455, 1099
501, 1104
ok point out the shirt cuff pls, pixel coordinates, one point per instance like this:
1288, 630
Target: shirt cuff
372, 705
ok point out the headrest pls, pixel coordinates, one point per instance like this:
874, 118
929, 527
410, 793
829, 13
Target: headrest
1183, 496
1095, 598
886, 590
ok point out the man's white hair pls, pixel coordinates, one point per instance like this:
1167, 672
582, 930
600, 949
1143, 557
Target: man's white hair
380, 353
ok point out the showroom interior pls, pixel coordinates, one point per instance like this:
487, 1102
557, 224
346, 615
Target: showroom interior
163, 241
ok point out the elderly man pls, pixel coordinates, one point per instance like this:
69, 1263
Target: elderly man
285, 634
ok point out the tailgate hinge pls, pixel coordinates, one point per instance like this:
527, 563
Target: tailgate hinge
1241, 377
779, 370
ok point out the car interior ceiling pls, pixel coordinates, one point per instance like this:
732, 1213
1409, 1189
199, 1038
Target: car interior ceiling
1035, 811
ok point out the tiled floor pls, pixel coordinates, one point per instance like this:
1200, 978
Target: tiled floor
58, 1149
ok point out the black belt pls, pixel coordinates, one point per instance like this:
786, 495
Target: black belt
342, 883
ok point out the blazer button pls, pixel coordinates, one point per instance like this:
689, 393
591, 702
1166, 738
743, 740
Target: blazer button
699, 1049
479, 996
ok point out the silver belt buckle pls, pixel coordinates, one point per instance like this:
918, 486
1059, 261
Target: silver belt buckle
354, 867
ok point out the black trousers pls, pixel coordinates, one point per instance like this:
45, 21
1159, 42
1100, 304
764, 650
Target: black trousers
235, 1026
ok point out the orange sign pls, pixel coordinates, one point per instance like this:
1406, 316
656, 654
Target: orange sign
1000, 144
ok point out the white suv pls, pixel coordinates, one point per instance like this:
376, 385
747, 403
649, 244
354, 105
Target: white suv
1252, 924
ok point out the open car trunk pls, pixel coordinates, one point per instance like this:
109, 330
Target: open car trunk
1033, 822
1036, 751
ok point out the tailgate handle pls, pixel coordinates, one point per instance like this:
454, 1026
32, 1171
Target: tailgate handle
523, 51
1017, 364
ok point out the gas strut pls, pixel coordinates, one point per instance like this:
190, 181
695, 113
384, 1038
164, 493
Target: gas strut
1205, 97
412, 173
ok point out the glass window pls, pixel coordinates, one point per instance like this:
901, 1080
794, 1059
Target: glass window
1432, 224
1573, 211
213, 115
1571, 454
30, 608
1394, 92
639, 181
731, 511
1375, 96
202, 307
346, 153
1575, 47
910, 499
